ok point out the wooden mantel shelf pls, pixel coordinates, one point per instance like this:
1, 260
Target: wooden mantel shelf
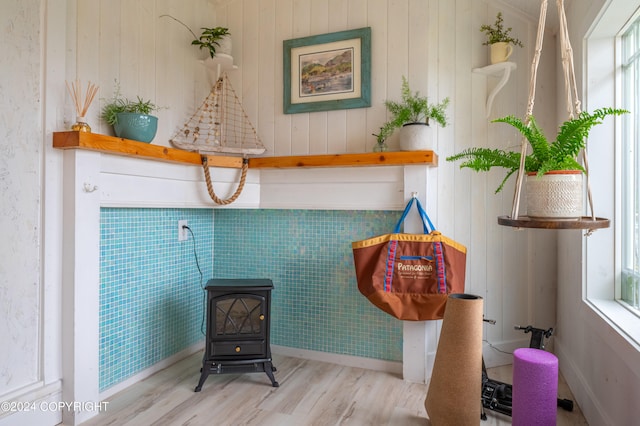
119, 146
428, 158
126, 147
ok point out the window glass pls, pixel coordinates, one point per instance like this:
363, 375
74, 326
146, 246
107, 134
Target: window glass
630, 167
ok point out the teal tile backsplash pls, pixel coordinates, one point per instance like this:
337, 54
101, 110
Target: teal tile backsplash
151, 302
307, 254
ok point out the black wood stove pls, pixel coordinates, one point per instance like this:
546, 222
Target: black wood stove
238, 322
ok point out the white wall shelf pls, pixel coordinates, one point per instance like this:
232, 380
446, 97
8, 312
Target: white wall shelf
219, 64
501, 70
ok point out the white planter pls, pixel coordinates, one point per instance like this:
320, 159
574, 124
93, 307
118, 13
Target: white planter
225, 46
556, 195
415, 137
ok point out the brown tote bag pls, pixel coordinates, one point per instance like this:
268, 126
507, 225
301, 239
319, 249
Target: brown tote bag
410, 276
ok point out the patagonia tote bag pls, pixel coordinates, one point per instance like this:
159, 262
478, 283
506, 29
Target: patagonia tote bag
410, 276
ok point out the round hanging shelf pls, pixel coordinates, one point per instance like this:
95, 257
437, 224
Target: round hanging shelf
585, 222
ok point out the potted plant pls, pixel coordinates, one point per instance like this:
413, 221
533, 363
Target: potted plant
381, 138
411, 116
131, 119
546, 164
210, 39
499, 40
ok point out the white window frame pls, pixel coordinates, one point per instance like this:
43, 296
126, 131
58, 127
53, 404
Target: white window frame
630, 193
602, 250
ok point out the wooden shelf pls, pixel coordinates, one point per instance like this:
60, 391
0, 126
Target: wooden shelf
126, 147
428, 158
582, 223
119, 146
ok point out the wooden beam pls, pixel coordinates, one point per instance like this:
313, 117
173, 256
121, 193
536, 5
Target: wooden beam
347, 160
129, 148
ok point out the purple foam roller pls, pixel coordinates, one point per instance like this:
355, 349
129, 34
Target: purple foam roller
535, 387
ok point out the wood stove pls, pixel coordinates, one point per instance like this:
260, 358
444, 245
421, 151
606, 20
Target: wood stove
238, 323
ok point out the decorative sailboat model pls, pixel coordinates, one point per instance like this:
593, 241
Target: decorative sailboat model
220, 125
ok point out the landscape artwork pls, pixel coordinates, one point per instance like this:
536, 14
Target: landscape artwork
327, 72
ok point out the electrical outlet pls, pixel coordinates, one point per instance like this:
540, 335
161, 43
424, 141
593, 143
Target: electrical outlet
182, 232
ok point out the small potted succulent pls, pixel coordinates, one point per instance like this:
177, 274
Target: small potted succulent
131, 119
411, 115
554, 175
499, 40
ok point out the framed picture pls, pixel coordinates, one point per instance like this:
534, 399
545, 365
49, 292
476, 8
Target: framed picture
328, 71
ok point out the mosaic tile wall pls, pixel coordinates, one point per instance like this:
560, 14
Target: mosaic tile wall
307, 254
151, 302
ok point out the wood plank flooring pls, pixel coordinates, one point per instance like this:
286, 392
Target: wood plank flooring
310, 393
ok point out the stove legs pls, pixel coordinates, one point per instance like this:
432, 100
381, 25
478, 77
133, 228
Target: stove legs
269, 369
203, 376
209, 367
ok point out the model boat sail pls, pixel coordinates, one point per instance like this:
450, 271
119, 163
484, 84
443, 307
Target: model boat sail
220, 125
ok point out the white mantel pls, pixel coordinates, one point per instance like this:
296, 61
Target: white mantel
93, 180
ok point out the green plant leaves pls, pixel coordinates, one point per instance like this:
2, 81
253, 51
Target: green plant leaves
561, 154
210, 38
413, 109
497, 33
119, 104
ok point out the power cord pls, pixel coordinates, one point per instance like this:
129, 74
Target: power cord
204, 297
495, 348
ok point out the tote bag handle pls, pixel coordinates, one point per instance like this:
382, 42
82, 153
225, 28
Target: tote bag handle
427, 225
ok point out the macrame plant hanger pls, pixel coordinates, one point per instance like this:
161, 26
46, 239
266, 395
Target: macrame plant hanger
220, 125
571, 91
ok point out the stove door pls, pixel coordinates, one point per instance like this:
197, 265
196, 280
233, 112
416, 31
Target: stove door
239, 316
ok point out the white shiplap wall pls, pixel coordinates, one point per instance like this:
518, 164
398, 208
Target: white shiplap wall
435, 43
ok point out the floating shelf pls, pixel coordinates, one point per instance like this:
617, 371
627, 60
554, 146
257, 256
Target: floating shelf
129, 148
219, 64
501, 70
428, 158
584, 222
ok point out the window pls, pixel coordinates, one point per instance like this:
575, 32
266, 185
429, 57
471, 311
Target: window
630, 167
612, 69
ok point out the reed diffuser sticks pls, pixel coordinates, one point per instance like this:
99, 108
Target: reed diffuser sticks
81, 106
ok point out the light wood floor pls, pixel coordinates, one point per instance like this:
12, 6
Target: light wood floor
310, 393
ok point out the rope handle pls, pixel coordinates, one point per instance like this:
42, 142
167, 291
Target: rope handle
212, 194
571, 91
427, 225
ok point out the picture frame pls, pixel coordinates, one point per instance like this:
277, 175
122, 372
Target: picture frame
327, 72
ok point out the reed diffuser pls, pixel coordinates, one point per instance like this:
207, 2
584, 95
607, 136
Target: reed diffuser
81, 106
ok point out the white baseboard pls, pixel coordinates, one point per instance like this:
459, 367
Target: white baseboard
151, 370
582, 393
346, 360
37, 407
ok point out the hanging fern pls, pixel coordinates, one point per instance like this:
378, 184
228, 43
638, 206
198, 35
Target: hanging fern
561, 154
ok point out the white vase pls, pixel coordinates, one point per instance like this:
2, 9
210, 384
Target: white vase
415, 137
556, 195
225, 47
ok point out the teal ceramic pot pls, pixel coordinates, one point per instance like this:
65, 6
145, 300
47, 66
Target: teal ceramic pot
137, 127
